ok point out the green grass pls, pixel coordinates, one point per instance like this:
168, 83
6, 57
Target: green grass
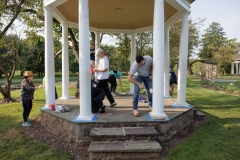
217, 139
14, 144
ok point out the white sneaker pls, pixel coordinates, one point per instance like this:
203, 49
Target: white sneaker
26, 124
113, 104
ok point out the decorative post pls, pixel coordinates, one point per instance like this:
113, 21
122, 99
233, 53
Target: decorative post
84, 65
182, 73
232, 68
97, 45
133, 56
49, 58
237, 68
158, 62
65, 63
166, 64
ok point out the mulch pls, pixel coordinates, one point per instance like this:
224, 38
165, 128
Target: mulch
37, 132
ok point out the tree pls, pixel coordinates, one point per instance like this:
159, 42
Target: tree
32, 55
10, 11
193, 40
216, 47
9, 56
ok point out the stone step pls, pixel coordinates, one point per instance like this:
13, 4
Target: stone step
124, 131
197, 113
124, 150
143, 134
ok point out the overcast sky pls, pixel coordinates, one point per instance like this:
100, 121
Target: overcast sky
225, 12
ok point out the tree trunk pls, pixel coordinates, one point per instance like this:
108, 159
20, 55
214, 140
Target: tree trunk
93, 37
6, 93
75, 46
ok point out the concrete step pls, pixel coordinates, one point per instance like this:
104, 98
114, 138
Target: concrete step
143, 134
124, 150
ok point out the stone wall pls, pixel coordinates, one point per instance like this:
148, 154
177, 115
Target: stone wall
79, 132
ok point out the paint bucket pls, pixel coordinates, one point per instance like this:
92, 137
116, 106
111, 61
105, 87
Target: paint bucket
52, 107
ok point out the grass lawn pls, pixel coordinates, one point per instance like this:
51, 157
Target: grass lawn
218, 138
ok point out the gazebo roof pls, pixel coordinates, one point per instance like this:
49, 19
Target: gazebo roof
118, 15
236, 59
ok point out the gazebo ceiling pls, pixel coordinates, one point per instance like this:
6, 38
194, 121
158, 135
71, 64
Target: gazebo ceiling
116, 14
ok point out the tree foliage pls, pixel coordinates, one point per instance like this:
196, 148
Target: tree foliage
32, 55
193, 40
216, 47
10, 49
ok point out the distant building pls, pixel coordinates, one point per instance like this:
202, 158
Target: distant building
235, 69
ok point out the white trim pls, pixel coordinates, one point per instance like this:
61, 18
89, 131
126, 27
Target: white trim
53, 3
180, 5
60, 18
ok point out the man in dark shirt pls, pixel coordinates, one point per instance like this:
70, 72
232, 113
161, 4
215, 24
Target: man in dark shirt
92, 52
97, 97
173, 80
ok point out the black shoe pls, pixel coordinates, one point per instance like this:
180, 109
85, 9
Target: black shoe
102, 109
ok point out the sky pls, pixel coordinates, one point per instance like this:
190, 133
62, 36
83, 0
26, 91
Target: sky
224, 12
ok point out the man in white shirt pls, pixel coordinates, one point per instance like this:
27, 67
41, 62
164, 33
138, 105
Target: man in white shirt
102, 75
141, 72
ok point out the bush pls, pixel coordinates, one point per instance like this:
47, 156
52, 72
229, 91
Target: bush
231, 88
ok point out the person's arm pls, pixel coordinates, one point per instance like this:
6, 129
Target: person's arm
101, 70
151, 72
131, 79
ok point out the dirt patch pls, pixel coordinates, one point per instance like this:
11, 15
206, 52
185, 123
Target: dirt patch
81, 153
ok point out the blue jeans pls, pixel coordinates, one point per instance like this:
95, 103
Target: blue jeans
148, 84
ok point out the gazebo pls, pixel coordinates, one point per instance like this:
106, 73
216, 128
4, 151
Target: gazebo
235, 62
117, 16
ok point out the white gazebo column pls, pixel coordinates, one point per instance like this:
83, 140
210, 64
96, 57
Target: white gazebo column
133, 56
84, 63
237, 68
158, 62
65, 63
232, 68
97, 45
49, 58
166, 64
182, 70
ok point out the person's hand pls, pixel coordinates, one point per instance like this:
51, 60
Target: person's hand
41, 86
150, 77
141, 86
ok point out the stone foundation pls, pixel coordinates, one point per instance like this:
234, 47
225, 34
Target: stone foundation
79, 132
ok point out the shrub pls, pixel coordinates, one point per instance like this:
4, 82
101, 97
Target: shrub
231, 88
